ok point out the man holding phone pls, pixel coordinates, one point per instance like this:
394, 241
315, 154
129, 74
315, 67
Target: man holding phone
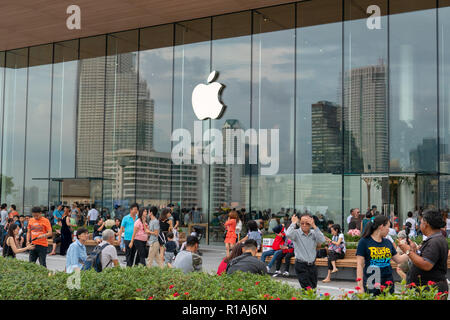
39, 229
305, 239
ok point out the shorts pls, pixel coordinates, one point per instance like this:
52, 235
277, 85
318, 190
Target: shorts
168, 257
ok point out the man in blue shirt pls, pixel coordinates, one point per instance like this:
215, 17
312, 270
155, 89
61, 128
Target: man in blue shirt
76, 254
127, 227
57, 214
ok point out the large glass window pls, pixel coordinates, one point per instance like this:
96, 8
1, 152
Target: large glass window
192, 66
413, 86
229, 180
273, 107
365, 98
413, 99
2, 86
38, 126
63, 115
91, 112
14, 123
121, 119
154, 127
444, 101
319, 109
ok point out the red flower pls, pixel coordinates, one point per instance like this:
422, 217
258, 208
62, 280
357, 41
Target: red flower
431, 283
357, 288
389, 283
176, 294
240, 289
412, 284
351, 292
326, 294
382, 288
171, 286
256, 283
138, 290
294, 298
358, 279
271, 297
277, 298
150, 298
308, 288
186, 293
266, 295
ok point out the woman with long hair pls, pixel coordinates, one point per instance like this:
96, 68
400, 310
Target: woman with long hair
336, 250
66, 232
373, 257
140, 236
235, 252
230, 225
165, 226
10, 246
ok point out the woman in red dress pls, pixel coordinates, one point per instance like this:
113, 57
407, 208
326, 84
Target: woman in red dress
230, 225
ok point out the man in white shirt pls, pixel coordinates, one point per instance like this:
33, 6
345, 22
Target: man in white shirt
413, 223
92, 215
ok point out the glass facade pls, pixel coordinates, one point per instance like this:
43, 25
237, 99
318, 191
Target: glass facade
358, 92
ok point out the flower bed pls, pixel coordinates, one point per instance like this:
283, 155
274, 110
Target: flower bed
20, 280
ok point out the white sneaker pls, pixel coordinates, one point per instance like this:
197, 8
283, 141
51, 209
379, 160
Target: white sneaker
277, 272
268, 269
275, 275
286, 273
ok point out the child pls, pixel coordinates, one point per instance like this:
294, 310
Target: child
171, 249
253, 233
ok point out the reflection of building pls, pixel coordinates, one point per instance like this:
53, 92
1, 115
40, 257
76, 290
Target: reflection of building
326, 137
137, 172
425, 155
365, 115
233, 173
89, 156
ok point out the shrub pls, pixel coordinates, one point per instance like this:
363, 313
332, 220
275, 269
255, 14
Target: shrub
21, 280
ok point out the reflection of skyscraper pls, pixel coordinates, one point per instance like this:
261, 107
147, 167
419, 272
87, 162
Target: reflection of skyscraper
116, 136
425, 157
326, 137
89, 156
233, 173
365, 116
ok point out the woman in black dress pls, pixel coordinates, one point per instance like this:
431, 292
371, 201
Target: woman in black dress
66, 232
165, 226
10, 246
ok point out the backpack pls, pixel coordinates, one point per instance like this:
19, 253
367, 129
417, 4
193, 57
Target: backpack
94, 259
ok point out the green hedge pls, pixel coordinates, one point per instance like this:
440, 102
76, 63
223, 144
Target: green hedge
21, 280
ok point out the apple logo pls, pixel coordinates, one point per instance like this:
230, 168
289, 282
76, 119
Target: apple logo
206, 99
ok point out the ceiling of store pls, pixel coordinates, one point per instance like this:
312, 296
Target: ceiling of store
31, 22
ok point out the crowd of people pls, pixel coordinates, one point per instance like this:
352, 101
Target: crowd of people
301, 236
150, 234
